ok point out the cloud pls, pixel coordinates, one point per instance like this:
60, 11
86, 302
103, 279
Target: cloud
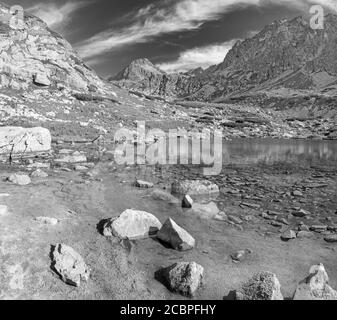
55, 15
203, 57
168, 16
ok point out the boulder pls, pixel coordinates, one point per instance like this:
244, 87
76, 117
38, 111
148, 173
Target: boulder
132, 225
315, 286
20, 179
42, 79
177, 237
184, 278
194, 187
69, 265
187, 202
332, 238
205, 211
263, 286
24, 140
288, 235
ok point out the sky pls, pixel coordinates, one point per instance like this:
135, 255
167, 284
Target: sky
176, 35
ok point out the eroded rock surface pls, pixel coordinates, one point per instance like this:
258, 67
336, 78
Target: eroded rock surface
184, 278
263, 286
69, 265
315, 286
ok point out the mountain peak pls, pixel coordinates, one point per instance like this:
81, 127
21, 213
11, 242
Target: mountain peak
138, 70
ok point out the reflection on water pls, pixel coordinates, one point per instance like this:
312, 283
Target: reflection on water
271, 151
208, 153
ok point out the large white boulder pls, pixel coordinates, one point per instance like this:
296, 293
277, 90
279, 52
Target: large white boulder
24, 140
132, 224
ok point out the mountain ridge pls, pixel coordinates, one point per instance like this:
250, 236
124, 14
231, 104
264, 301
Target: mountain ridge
284, 54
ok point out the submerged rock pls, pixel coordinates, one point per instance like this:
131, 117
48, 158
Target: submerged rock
176, 236
162, 195
69, 265
143, 184
315, 286
205, 211
20, 179
263, 286
184, 278
194, 187
132, 224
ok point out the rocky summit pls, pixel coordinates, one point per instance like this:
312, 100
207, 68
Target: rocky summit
143, 76
32, 55
287, 54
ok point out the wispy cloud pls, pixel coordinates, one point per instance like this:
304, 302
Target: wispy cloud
203, 57
55, 15
170, 16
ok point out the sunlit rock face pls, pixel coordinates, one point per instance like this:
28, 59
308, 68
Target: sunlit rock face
142, 75
32, 54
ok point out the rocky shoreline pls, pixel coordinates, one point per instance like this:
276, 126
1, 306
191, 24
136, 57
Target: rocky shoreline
290, 206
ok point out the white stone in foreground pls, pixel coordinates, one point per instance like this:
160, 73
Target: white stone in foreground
132, 224
24, 140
